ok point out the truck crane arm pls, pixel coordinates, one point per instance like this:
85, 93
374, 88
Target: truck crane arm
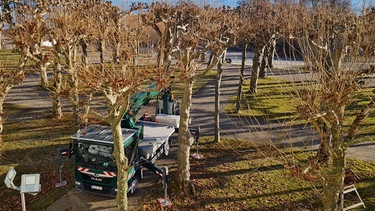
137, 101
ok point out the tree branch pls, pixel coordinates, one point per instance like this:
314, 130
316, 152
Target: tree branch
358, 120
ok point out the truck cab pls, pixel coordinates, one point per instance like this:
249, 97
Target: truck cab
95, 170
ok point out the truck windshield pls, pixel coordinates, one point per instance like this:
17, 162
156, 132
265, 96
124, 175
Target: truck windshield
95, 156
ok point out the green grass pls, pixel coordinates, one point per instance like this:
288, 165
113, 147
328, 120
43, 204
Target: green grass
367, 129
30, 147
276, 101
9, 60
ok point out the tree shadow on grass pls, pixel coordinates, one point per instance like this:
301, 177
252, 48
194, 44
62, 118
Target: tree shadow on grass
276, 200
210, 174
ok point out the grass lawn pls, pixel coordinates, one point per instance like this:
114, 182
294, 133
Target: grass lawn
276, 101
30, 146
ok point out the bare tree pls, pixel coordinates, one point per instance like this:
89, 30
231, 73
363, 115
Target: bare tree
29, 30
224, 27
332, 42
102, 15
267, 59
264, 32
34, 11
190, 36
117, 82
259, 32
5, 16
65, 37
241, 77
164, 23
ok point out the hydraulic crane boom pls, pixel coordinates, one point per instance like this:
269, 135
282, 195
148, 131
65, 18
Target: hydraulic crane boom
167, 107
136, 102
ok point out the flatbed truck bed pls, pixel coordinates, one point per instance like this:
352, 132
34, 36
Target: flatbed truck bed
155, 139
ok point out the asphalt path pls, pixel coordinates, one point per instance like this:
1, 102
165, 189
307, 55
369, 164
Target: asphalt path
259, 130
202, 114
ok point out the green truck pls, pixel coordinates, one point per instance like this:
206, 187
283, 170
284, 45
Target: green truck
144, 140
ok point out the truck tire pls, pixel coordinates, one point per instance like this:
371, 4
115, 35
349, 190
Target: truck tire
166, 148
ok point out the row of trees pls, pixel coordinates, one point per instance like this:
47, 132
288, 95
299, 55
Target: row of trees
329, 37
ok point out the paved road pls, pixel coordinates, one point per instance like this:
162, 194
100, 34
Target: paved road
257, 130
202, 115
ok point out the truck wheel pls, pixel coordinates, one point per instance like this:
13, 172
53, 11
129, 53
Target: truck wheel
166, 148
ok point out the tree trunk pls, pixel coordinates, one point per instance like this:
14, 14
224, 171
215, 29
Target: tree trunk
323, 153
5, 90
334, 179
242, 78
217, 99
84, 58
43, 75
263, 63
271, 51
2, 99
223, 56
86, 107
116, 53
101, 54
75, 99
2, 120
256, 67
6, 87
122, 167
56, 98
74, 96
185, 140
210, 60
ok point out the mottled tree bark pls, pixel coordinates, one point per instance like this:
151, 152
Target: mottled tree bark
219, 76
101, 54
242, 78
259, 50
185, 139
56, 98
332, 185
122, 167
43, 75
263, 63
271, 51
84, 58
